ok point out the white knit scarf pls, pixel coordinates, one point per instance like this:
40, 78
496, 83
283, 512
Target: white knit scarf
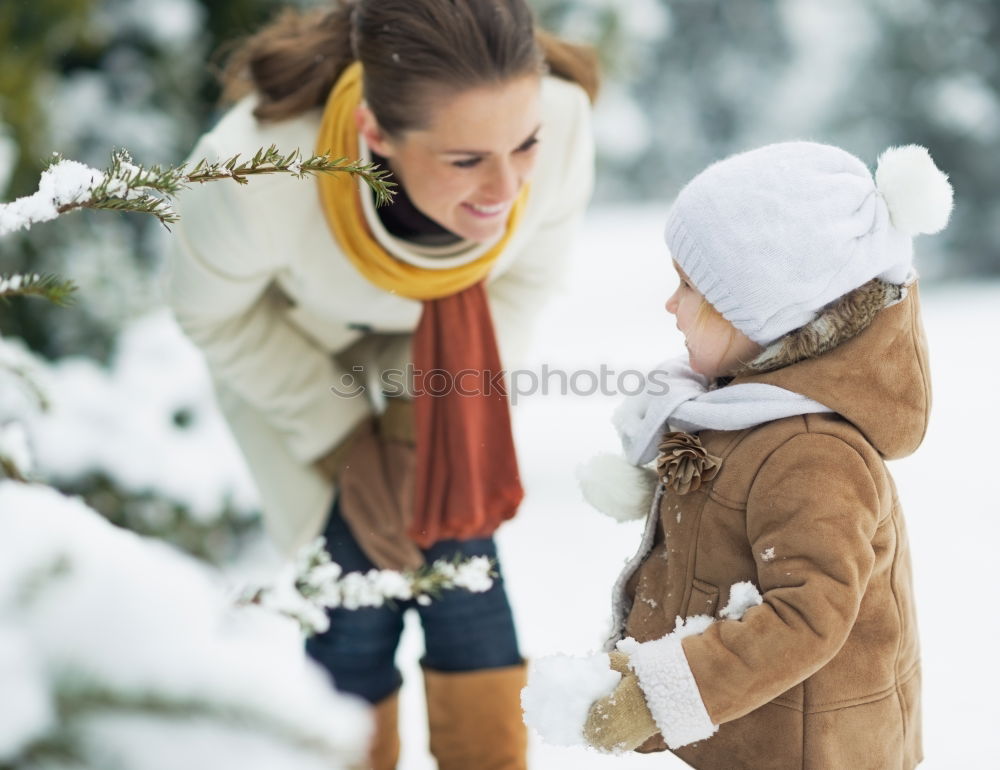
678, 398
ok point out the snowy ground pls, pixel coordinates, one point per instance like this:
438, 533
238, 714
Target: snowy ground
560, 557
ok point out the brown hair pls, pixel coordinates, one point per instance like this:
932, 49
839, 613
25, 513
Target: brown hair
410, 50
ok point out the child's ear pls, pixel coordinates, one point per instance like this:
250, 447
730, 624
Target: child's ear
617, 488
372, 132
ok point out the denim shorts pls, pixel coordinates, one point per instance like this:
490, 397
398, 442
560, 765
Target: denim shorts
463, 631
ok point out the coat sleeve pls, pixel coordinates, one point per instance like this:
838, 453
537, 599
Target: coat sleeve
518, 296
222, 262
815, 503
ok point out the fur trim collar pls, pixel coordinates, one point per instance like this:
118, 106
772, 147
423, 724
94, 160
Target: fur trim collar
841, 320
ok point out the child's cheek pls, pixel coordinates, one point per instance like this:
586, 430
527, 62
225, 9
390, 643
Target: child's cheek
685, 313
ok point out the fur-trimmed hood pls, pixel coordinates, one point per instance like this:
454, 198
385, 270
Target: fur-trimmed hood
865, 357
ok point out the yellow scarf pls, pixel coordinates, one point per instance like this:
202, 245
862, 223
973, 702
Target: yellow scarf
341, 200
466, 478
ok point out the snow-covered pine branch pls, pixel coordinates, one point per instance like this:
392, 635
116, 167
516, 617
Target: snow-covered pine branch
67, 185
314, 583
162, 461
118, 651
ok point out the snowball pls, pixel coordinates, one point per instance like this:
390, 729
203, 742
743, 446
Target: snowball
561, 689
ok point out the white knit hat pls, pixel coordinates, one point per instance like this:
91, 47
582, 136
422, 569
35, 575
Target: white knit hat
771, 236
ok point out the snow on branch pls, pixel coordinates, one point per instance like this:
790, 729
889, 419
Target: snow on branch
67, 185
119, 651
314, 583
23, 367
15, 455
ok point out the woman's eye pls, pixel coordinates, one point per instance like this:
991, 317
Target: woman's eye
467, 163
528, 144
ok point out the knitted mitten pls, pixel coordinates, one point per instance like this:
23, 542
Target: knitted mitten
620, 721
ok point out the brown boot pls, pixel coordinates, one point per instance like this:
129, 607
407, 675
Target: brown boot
475, 718
384, 751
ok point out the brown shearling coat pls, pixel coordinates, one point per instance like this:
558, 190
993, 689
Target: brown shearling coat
825, 673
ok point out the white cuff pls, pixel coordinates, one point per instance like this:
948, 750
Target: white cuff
670, 689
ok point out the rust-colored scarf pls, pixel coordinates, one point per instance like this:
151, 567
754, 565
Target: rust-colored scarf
467, 476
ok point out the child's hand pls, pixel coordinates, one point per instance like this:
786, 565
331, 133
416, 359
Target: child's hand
561, 691
620, 721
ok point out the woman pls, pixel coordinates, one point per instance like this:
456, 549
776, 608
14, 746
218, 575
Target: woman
303, 298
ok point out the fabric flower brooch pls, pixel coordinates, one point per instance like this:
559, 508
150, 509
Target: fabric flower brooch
683, 465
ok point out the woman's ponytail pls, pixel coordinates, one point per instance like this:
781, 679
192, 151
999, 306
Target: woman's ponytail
292, 63
569, 61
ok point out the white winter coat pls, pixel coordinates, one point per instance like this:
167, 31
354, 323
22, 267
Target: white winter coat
259, 283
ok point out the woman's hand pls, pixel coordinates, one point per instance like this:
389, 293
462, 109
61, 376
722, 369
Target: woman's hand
374, 471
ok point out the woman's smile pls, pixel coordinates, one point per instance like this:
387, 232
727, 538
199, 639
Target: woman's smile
487, 212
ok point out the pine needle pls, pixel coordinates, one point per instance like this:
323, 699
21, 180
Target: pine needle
127, 187
48, 286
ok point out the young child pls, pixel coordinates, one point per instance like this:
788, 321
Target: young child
768, 618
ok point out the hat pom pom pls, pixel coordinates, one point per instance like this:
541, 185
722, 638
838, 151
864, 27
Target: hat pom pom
617, 488
917, 192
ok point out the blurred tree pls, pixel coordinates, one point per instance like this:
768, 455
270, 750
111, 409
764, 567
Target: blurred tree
32, 36
932, 77
83, 77
686, 81
690, 81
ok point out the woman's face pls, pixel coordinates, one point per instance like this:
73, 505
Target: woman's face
466, 168
715, 346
